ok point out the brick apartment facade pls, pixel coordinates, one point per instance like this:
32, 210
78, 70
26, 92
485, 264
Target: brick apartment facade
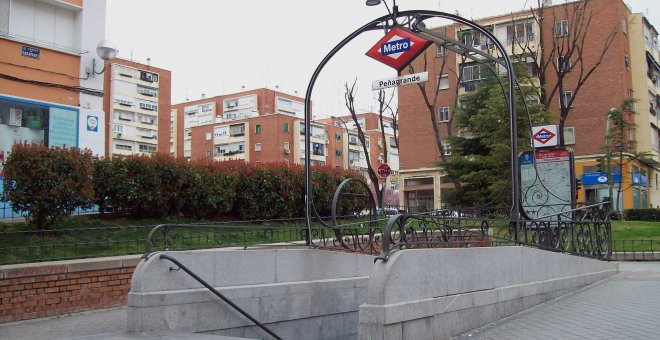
584, 129
138, 105
268, 126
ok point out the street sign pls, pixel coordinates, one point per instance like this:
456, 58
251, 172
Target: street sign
398, 47
403, 80
384, 170
545, 136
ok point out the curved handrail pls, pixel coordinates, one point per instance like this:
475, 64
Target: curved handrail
218, 294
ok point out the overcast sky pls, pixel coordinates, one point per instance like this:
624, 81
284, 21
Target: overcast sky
217, 46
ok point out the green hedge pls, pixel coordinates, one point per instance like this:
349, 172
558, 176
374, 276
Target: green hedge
47, 183
161, 185
642, 214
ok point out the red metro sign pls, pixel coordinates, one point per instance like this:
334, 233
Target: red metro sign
543, 136
398, 47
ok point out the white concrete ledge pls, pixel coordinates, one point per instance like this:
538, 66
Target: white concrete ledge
466, 288
290, 290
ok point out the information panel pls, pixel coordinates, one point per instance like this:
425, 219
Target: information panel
63, 127
546, 182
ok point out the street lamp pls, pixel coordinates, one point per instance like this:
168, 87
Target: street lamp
608, 157
106, 50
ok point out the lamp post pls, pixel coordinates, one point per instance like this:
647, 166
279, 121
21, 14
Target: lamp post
608, 158
106, 50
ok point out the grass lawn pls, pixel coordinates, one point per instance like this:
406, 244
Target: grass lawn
635, 236
91, 236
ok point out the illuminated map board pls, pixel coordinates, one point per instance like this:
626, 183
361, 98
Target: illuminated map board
547, 189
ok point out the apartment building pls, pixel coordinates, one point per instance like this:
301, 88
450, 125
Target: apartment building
626, 71
138, 103
223, 109
268, 126
645, 70
49, 91
381, 149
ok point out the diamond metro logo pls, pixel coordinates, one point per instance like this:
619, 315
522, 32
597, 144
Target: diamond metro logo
543, 136
398, 47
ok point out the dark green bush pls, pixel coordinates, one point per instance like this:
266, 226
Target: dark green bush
642, 214
56, 181
48, 184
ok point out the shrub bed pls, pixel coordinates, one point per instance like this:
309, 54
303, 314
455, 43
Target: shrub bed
50, 183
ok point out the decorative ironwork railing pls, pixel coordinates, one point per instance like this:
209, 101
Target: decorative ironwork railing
584, 231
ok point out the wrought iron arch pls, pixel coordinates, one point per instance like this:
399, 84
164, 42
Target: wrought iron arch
414, 20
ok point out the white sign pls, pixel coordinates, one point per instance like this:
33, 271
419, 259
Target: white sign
403, 80
545, 136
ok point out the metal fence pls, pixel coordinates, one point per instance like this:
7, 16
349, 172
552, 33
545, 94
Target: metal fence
375, 235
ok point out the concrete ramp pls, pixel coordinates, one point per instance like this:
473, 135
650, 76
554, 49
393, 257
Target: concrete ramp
440, 293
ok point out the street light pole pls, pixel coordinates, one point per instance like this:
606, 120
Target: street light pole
608, 157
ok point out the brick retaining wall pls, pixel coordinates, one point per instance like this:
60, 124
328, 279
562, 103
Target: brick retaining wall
38, 290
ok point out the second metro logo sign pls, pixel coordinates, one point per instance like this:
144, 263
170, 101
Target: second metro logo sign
398, 47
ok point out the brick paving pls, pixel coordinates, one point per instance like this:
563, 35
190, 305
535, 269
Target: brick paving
625, 306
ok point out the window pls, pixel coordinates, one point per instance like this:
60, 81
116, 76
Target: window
566, 98
440, 51
624, 25
147, 148
561, 28
257, 129
631, 105
393, 142
474, 72
337, 136
206, 107
654, 138
443, 82
208, 136
147, 91
257, 147
286, 147
237, 130
353, 156
443, 114
352, 139
125, 147
569, 135
521, 32
317, 149
563, 64
626, 60
446, 148
286, 127
337, 153
118, 128
149, 106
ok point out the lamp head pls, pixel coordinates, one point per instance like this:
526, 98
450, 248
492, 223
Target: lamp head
373, 2
106, 50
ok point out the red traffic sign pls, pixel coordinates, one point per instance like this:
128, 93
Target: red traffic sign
384, 170
543, 136
398, 47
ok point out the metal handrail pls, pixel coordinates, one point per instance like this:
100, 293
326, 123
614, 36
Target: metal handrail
218, 294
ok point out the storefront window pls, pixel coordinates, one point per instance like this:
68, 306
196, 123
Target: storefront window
31, 122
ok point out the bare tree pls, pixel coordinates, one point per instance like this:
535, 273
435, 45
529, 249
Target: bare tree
383, 106
564, 55
349, 97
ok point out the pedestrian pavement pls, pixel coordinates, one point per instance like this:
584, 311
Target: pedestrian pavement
624, 306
